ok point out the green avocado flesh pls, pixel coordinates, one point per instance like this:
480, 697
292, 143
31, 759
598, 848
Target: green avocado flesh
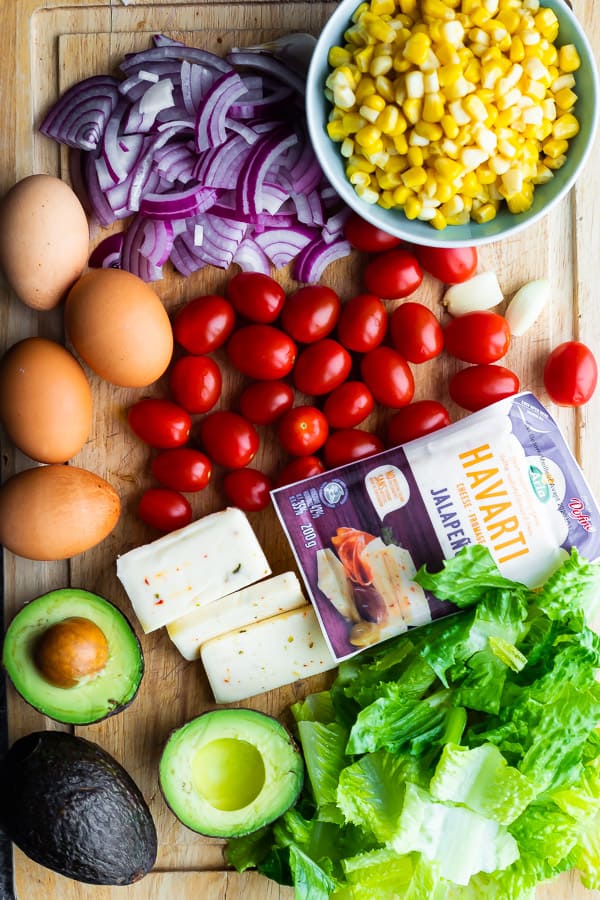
94, 697
230, 771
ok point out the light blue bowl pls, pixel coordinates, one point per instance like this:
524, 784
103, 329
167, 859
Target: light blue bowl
506, 223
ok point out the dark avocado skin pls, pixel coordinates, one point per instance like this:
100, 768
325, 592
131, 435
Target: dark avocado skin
68, 805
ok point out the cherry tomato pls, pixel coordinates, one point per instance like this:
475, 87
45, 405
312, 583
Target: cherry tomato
363, 323
204, 324
298, 469
322, 367
182, 469
478, 386
247, 489
479, 337
164, 509
229, 439
195, 382
310, 313
264, 402
366, 237
262, 352
348, 405
393, 274
415, 420
255, 296
348, 444
388, 376
571, 374
302, 430
415, 332
159, 423
452, 265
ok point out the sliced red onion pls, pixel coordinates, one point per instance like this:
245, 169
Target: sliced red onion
334, 226
311, 262
157, 241
173, 51
220, 167
163, 40
132, 258
211, 122
196, 81
80, 115
183, 260
268, 64
119, 152
250, 258
101, 209
77, 161
107, 255
269, 105
282, 245
175, 162
178, 204
262, 155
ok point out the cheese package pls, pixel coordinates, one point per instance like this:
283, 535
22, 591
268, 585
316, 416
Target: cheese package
189, 568
252, 604
267, 655
502, 477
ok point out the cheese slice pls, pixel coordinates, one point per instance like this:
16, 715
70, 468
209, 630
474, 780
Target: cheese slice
393, 570
189, 568
252, 604
266, 655
333, 582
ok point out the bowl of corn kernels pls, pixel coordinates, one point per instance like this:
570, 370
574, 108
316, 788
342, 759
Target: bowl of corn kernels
452, 122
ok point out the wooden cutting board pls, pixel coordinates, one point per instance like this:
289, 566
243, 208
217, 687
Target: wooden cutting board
45, 47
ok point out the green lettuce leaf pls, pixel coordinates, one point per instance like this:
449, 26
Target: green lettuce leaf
323, 747
465, 578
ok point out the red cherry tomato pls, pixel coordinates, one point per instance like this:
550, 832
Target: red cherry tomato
366, 237
478, 386
159, 423
348, 405
363, 323
164, 509
182, 469
302, 430
247, 489
204, 324
322, 367
262, 352
388, 376
415, 332
571, 374
415, 420
310, 313
255, 296
452, 265
298, 469
228, 439
264, 402
478, 337
348, 444
195, 382
393, 274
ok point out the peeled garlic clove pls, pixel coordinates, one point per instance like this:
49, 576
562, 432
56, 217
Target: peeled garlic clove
526, 305
480, 292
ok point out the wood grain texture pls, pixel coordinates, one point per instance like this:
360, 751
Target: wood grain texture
43, 49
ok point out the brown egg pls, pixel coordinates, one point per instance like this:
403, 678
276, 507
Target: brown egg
71, 650
45, 400
44, 240
56, 512
119, 327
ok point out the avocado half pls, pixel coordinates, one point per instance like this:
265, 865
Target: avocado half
94, 696
230, 771
69, 806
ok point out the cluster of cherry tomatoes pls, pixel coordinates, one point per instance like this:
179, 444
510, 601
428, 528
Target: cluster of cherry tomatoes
285, 345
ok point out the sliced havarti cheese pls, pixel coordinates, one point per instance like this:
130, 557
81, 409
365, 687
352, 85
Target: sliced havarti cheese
392, 570
252, 604
333, 582
189, 568
265, 656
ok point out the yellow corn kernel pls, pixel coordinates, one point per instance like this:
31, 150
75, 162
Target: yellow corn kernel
417, 48
374, 102
415, 84
397, 164
473, 71
377, 28
449, 74
388, 181
470, 186
450, 127
384, 88
555, 163
438, 221
347, 148
485, 213
363, 57
448, 169
453, 206
568, 58
336, 130
358, 12
461, 218
510, 18
381, 65
359, 178
401, 195
444, 192
401, 144
554, 148
436, 9
430, 187
521, 202
475, 108
364, 89
542, 174
408, 7
366, 193
547, 24
388, 119
517, 50
412, 207
415, 177
430, 131
433, 107
412, 109
386, 200
565, 99
565, 128
339, 56
446, 54
479, 16
544, 130
368, 136
360, 164
534, 89
485, 175
415, 157
383, 7
352, 122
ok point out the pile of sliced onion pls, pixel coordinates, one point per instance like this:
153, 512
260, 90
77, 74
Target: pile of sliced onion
207, 158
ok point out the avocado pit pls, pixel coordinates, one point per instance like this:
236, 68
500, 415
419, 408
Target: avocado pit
71, 650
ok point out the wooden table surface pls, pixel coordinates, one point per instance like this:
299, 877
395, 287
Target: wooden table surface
44, 47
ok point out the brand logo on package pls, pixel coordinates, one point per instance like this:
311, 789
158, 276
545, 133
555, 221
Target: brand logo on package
333, 493
577, 511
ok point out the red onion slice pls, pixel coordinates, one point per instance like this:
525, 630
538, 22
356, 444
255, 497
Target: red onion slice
250, 258
173, 51
178, 204
80, 115
312, 261
260, 159
282, 245
107, 254
211, 122
269, 65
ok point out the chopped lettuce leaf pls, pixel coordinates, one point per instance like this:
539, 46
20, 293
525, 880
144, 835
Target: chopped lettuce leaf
466, 576
323, 747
